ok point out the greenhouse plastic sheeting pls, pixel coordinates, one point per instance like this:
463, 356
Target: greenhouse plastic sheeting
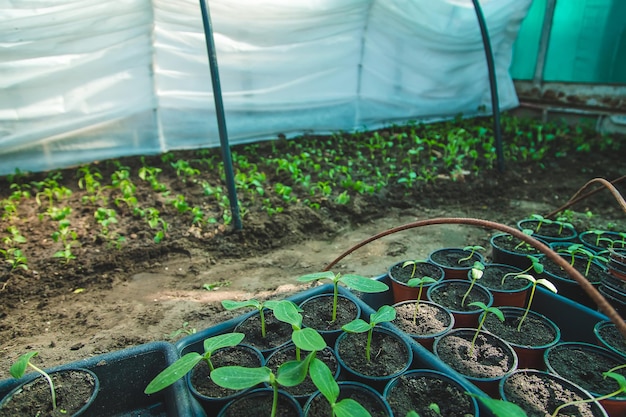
86, 80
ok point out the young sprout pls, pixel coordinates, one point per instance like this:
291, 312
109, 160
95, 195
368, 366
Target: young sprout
536, 266
232, 305
540, 220
477, 273
527, 232
486, 310
500, 408
354, 282
306, 339
590, 256
289, 374
18, 369
412, 413
384, 313
414, 282
622, 388
472, 250
434, 407
323, 379
183, 365
534, 283
562, 222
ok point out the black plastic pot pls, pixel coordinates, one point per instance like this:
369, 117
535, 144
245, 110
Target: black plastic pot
448, 259
549, 232
11, 404
260, 400
590, 239
610, 338
514, 257
124, 375
363, 394
422, 387
535, 392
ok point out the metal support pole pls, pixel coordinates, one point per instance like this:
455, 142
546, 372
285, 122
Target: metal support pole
492, 83
221, 119
544, 42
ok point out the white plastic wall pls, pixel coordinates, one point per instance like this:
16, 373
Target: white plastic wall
85, 80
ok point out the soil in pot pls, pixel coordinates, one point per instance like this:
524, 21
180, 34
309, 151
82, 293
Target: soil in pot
609, 337
455, 261
567, 286
258, 403
200, 379
513, 292
485, 364
369, 398
583, 365
598, 242
430, 320
536, 334
288, 353
400, 276
539, 394
75, 389
551, 232
317, 313
277, 333
389, 355
416, 390
450, 293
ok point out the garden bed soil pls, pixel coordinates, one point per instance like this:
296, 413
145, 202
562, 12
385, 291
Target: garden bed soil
109, 299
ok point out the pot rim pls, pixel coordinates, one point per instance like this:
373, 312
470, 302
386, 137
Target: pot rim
557, 330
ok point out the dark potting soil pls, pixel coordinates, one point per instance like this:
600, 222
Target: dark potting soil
548, 230
230, 356
534, 331
512, 244
288, 353
422, 269
260, 405
595, 274
585, 367
592, 239
539, 395
388, 355
276, 331
454, 258
451, 296
429, 319
73, 390
318, 311
319, 406
613, 337
417, 392
492, 278
488, 359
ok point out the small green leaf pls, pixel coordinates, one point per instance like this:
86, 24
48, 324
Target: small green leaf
221, 341
19, 367
323, 379
363, 284
317, 276
350, 408
384, 314
621, 380
416, 282
501, 408
232, 305
239, 377
356, 326
292, 373
287, 312
308, 339
173, 373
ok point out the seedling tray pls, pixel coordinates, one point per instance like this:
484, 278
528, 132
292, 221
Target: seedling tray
123, 376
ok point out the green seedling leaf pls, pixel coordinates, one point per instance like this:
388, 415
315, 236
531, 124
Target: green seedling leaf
493, 310
414, 282
308, 339
233, 305
384, 314
363, 284
221, 341
19, 367
356, 326
501, 408
239, 377
292, 373
350, 408
287, 312
173, 373
547, 284
324, 380
317, 276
